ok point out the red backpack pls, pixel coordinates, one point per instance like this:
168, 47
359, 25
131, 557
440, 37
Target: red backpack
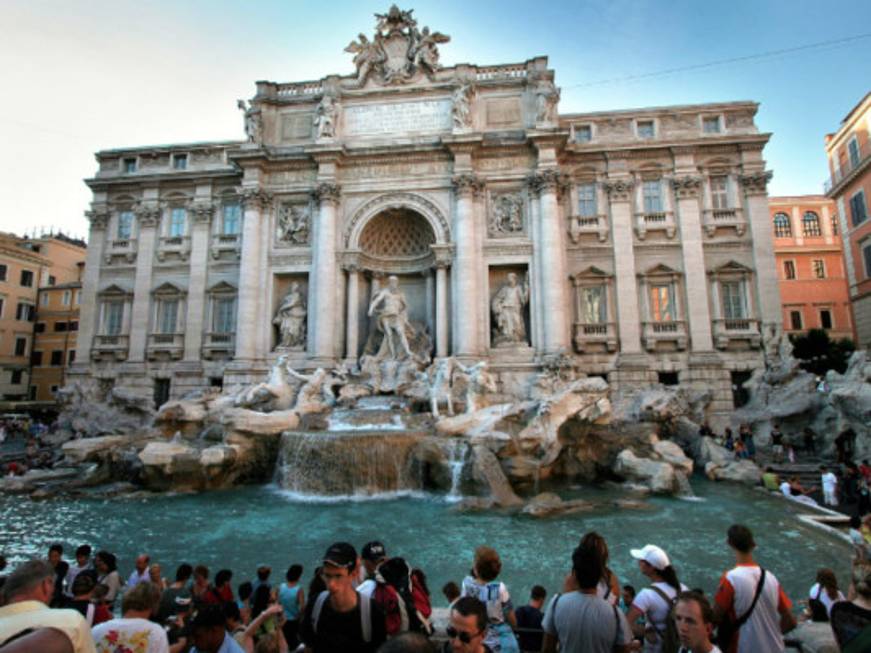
401, 597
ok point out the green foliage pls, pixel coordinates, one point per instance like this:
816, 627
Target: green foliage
818, 353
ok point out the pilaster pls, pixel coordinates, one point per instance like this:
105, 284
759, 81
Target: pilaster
464, 277
90, 312
256, 203
322, 283
628, 319
148, 218
202, 212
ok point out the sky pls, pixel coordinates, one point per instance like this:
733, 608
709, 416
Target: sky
84, 75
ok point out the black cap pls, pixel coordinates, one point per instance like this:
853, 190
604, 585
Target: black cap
209, 616
341, 554
373, 551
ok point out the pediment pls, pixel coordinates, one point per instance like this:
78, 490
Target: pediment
591, 272
222, 287
168, 288
661, 270
731, 267
114, 290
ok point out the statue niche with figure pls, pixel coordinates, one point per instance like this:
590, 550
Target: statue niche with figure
508, 306
290, 318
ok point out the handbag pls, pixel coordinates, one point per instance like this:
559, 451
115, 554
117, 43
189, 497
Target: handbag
728, 629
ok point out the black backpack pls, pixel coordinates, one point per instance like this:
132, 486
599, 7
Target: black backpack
668, 636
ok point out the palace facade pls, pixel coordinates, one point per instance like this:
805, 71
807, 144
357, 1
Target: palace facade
638, 242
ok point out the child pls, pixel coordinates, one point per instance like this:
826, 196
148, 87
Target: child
492, 593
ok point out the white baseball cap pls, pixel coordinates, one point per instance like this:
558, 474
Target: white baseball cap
652, 555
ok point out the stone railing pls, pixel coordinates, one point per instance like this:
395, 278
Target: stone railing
226, 243
165, 343
589, 337
655, 221
730, 331
219, 343
673, 331
724, 218
115, 346
176, 245
121, 247
595, 224
487, 73
298, 89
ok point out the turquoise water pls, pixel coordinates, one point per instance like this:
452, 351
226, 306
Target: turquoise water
241, 528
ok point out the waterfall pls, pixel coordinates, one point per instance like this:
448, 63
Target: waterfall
684, 489
458, 456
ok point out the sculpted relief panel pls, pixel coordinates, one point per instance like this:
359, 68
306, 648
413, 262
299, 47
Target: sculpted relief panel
506, 215
293, 225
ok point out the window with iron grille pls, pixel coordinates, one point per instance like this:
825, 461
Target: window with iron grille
782, 226
810, 224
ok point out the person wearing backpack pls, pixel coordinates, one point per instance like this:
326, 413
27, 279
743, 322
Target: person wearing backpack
339, 619
580, 621
404, 603
656, 602
750, 605
482, 585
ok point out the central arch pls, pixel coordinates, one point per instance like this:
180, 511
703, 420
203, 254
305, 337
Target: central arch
418, 204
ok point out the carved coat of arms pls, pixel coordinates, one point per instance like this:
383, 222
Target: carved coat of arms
398, 50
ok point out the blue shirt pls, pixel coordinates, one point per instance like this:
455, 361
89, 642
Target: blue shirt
287, 596
228, 646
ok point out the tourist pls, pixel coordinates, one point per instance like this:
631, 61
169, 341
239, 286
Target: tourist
860, 546
335, 620
155, 577
580, 621
61, 567
493, 594
409, 643
756, 626
134, 630
178, 588
468, 627
809, 437
201, 591
177, 626
851, 620
830, 486
845, 444
694, 619
83, 590
741, 452
451, 592
234, 624
609, 586
793, 489
223, 585
529, 617
371, 557
705, 430
26, 595
291, 596
771, 481
654, 602
263, 572
244, 601
140, 572
627, 595
777, 443
823, 595
83, 564
865, 470
208, 630
863, 493
262, 600
107, 575
44, 640
745, 435
728, 439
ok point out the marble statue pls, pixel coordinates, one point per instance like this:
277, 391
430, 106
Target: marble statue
273, 394
461, 110
253, 121
546, 98
291, 318
391, 309
478, 383
425, 52
367, 55
439, 378
312, 397
507, 305
325, 117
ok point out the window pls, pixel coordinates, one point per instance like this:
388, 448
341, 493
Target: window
734, 304
866, 255
36, 358
43, 299
720, 192
180, 161
740, 394
819, 268
711, 125
224, 315
51, 280
57, 358
66, 297
583, 133
594, 304
810, 224
232, 218
125, 225
71, 356
25, 312
40, 327
789, 269
177, 220
835, 228
74, 325
853, 147
53, 390
782, 226
114, 317
825, 319
646, 129
78, 297
130, 165
652, 193
857, 208
161, 391
60, 327
3, 272
662, 303
587, 200
21, 346
27, 278
16, 377
167, 313
667, 378
795, 320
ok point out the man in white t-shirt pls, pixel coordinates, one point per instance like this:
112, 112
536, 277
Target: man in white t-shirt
140, 572
830, 487
694, 618
763, 626
134, 631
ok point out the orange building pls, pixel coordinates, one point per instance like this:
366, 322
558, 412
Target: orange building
810, 265
849, 186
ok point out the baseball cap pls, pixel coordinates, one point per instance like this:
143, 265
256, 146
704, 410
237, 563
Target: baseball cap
652, 555
208, 616
373, 551
341, 554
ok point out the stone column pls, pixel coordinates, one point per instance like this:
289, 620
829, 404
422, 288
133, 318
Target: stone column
698, 312
756, 207
429, 280
628, 319
148, 218
352, 331
89, 313
196, 300
441, 292
256, 202
466, 294
552, 265
323, 281
536, 314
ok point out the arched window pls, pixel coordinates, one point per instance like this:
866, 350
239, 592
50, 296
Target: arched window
810, 224
782, 227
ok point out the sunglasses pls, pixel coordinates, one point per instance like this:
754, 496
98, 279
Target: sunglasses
463, 636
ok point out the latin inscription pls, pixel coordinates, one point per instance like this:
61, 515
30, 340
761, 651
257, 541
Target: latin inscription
503, 112
419, 116
295, 126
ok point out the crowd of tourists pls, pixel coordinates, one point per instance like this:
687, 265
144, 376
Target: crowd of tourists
22, 445
373, 602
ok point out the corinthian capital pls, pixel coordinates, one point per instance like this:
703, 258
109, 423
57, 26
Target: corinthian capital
687, 186
203, 211
98, 217
619, 190
327, 192
254, 197
549, 181
756, 183
467, 184
147, 215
